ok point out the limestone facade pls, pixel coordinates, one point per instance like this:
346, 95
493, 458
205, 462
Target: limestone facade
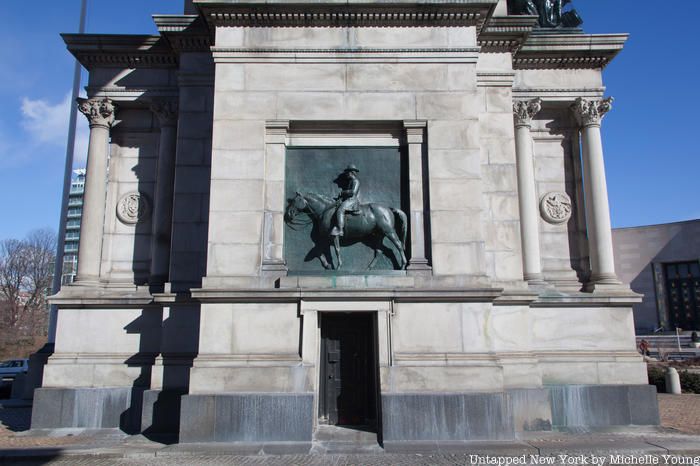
190, 310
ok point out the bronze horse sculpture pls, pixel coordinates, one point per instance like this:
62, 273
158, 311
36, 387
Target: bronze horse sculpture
370, 225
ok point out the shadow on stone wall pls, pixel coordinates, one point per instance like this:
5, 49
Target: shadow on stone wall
166, 379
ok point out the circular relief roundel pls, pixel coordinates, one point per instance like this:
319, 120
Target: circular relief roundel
555, 207
133, 207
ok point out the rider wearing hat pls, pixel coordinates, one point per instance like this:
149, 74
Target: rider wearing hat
348, 196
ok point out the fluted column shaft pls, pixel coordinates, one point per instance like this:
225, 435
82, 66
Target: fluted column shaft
100, 115
589, 115
523, 112
166, 112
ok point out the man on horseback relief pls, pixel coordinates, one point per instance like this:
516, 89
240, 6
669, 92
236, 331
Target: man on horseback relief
348, 198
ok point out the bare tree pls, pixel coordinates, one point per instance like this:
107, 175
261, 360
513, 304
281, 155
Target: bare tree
26, 269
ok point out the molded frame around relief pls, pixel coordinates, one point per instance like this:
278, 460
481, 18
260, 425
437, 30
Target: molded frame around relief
280, 134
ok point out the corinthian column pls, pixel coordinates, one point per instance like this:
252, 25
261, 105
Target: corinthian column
100, 115
523, 112
166, 112
589, 114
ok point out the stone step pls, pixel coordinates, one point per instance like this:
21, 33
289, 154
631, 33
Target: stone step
665, 341
343, 439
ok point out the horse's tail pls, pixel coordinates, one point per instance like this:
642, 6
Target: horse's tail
402, 224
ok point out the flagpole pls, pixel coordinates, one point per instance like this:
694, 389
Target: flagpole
68, 170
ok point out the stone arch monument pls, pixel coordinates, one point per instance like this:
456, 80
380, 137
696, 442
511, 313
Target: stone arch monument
201, 306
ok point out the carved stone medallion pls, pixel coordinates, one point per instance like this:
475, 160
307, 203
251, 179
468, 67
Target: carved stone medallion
133, 207
556, 207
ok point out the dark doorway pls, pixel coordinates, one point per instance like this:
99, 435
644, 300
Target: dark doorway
348, 388
683, 285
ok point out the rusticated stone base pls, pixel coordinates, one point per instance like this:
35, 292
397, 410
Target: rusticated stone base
603, 405
91, 408
446, 416
161, 411
247, 417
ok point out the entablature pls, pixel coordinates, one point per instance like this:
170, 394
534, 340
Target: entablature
347, 13
568, 51
185, 33
120, 51
506, 33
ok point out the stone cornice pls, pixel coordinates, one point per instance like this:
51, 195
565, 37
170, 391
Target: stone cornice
343, 13
184, 33
568, 51
506, 33
103, 296
130, 94
612, 299
209, 295
120, 51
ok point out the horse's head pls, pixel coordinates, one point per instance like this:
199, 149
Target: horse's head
294, 206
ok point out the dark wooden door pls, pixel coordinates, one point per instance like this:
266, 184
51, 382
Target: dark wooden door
348, 371
683, 285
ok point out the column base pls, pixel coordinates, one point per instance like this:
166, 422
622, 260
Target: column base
418, 265
274, 267
605, 283
157, 280
535, 279
88, 281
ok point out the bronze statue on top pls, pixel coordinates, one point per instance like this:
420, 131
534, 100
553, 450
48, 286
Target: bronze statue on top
549, 12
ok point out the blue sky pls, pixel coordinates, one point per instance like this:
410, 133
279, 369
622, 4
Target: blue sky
652, 157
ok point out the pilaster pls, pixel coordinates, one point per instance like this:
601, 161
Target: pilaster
273, 221
415, 136
166, 111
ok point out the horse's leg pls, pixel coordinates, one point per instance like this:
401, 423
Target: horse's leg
374, 259
394, 238
336, 243
324, 261
327, 256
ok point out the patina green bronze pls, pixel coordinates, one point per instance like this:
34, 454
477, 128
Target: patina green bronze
348, 198
550, 12
368, 224
343, 179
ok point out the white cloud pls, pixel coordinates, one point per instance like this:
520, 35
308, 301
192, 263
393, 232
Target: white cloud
47, 123
46, 126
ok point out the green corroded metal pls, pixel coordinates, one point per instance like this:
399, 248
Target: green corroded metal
322, 172
549, 12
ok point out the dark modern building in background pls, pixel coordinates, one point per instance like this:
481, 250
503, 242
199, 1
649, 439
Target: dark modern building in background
662, 262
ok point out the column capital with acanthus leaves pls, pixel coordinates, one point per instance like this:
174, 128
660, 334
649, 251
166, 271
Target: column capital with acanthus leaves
591, 112
525, 110
99, 112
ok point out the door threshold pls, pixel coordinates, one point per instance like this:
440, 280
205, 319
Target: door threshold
345, 439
